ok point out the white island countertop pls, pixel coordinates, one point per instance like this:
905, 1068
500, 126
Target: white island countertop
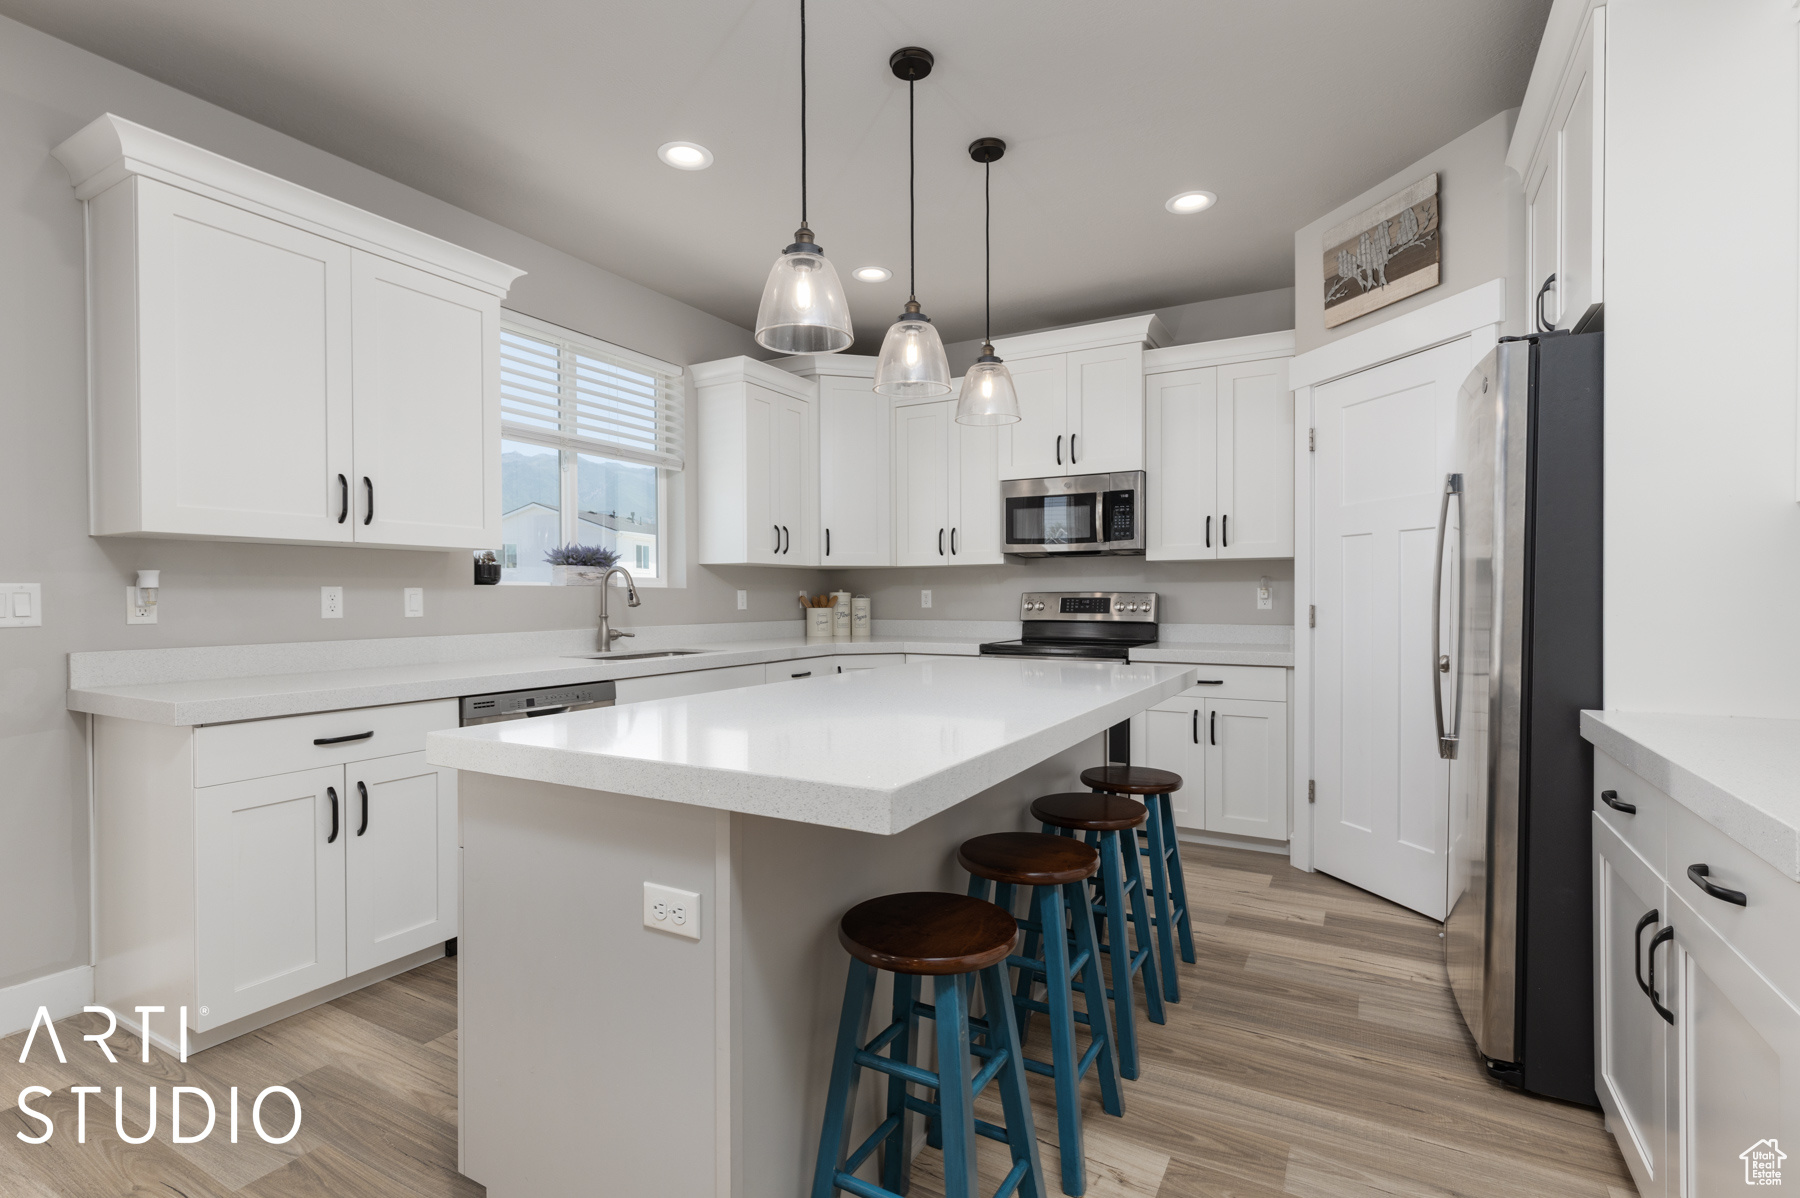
874, 751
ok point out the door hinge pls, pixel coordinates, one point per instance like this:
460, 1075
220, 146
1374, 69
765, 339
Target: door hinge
1312, 791
1312, 440
1312, 615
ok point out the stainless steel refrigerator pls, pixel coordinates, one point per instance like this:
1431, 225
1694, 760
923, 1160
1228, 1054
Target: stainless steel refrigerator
1516, 655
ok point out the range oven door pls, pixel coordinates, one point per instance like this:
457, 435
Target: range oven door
1082, 513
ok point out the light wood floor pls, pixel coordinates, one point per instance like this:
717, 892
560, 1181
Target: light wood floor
1316, 1053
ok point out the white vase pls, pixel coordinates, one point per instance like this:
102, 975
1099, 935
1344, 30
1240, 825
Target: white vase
576, 576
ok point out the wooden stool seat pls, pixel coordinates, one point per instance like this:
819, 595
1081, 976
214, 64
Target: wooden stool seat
925, 932
1131, 779
1084, 812
1029, 858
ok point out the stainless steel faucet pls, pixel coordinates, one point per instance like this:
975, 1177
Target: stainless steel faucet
609, 634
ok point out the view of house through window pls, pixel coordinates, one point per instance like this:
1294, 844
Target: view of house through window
591, 434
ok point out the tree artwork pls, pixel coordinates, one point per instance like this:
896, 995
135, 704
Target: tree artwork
1383, 255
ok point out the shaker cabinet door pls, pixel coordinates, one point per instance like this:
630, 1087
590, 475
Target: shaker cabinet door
1630, 1037
400, 866
1245, 742
976, 505
1173, 736
924, 471
1181, 433
1255, 460
1038, 445
855, 508
269, 891
1106, 410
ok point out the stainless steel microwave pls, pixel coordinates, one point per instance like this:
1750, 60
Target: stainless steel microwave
1078, 513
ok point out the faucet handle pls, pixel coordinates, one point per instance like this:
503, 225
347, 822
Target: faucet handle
613, 634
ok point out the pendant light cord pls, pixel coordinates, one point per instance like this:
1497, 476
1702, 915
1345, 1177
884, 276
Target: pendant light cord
803, 113
912, 199
987, 252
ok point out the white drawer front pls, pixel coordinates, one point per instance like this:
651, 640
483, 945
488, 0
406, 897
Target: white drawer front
1268, 683
1643, 829
805, 667
867, 661
263, 748
1763, 930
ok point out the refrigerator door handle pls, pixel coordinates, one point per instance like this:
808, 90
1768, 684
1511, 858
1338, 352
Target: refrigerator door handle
1446, 739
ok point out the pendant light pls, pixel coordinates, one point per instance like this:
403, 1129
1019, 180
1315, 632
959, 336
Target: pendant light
803, 309
912, 363
988, 396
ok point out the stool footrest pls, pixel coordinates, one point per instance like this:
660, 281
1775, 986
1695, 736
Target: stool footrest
868, 1147
1043, 1008
1010, 1185
899, 1069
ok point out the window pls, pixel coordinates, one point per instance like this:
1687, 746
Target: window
590, 435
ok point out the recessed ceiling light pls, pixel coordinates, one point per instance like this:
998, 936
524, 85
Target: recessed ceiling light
685, 155
873, 274
1191, 201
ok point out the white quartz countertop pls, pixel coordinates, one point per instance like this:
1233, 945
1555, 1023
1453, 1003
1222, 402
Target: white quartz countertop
1217, 653
1740, 775
874, 751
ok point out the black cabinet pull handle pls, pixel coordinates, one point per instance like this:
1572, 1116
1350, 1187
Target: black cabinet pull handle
1212, 727
953, 542
1196, 725
1209, 532
343, 740
1072, 458
940, 542
1698, 875
1543, 324
828, 542
1611, 799
331, 793
364, 792
1059, 449
1225, 531
777, 529
343, 499
787, 541
369, 511
1662, 937
1637, 950
1209, 682
802, 674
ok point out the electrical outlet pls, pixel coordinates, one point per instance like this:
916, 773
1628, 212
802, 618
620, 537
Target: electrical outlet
414, 601
924, 598
136, 612
670, 910
331, 603
1265, 595
743, 600
22, 605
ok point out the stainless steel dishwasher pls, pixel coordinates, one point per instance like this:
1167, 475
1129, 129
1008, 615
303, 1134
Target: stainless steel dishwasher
520, 705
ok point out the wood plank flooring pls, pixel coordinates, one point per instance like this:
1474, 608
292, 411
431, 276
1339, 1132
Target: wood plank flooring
1316, 1053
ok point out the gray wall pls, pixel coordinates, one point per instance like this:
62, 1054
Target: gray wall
221, 593
1481, 208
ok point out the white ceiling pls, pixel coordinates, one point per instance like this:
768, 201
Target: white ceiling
545, 116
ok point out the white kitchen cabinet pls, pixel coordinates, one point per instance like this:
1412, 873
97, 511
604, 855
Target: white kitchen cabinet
853, 663
1081, 399
1630, 1037
1227, 738
855, 486
1037, 446
758, 465
1220, 450
1172, 741
800, 667
946, 488
257, 350
400, 885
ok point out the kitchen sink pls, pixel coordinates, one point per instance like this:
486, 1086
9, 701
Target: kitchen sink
639, 656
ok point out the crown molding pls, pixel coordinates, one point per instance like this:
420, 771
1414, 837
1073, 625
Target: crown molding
1217, 353
1147, 330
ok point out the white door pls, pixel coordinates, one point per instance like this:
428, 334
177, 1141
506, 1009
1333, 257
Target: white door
854, 495
793, 464
1181, 432
1737, 1061
1038, 445
268, 891
427, 400
1246, 767
1106, 409
245, 373
1629, 1036
1256, 460
975, 504
400, 867
1171, 739
1384, 438
924, 440
761, 499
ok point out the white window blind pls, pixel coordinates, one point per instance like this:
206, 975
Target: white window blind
562, 389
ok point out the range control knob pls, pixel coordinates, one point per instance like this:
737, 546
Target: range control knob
1118, 607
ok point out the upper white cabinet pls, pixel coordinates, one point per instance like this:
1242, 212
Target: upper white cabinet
1080, 399
855, 491
271, 364
1558, 149
759, 465
946, 487
1219, 425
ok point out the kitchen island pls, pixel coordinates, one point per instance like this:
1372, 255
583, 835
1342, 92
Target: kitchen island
599, 1055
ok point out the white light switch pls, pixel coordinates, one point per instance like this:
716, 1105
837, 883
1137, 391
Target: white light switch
670, 910
415, 601
21, 605
924, 598
331, 603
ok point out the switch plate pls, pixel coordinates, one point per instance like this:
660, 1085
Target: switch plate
21, 605
1265, 597
414, 601
331, 603
670, 910
743, 600
137, 613
924, 598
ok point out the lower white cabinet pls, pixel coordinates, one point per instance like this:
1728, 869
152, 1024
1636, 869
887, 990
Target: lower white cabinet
1227, 738
399, 875
1630, 1035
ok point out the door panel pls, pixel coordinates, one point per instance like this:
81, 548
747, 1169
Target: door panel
1629, 1041
245, 372
975, 513
923, 435
427, 399
269, 891
855, 520
1543, 213
791, 468
1255, 460
400, 867
1181, 417
1038, 445
1246, 767
1384, 437
1106, 410
761, 505
1171, 740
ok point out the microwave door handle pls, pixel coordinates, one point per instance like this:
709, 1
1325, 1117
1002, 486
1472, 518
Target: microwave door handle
1059, 449
1447, 740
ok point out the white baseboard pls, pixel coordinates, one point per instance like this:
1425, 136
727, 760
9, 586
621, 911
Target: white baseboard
1277, 847
64, 993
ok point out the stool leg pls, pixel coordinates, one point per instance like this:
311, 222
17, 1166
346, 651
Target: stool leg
1177, 880
1165, 913
1140, 918
956, 1104
1015, 1100
1119, 952
840, 1099
896, 1153
1063, 1057
1093, 992
1027, 984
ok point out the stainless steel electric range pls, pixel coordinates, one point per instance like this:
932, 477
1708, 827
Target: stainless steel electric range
1097, 625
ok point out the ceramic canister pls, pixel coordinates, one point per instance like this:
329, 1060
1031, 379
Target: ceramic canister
840, 627
860, 622
819, 621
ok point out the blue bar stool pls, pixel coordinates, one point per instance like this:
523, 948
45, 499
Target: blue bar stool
953, 940
1168, 884
1102, 818
1056, 869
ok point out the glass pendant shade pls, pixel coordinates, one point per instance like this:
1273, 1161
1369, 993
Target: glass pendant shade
803, 309
912, 363
988, 396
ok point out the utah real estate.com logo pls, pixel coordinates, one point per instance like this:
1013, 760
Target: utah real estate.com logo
1762, 1163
